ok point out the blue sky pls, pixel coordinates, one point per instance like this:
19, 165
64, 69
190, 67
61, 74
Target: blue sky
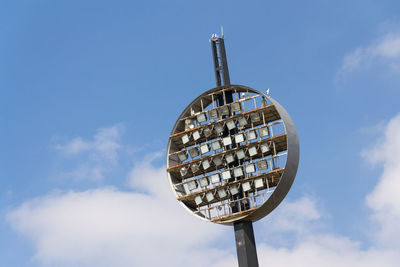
90, 90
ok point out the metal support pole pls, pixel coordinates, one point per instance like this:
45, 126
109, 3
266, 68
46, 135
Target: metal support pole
244, 234
245, 244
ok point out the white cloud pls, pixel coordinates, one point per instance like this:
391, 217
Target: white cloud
147, 227
108, 227
384, 200
385, 50
100, 154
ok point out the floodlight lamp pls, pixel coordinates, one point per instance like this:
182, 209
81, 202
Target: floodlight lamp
264, 148
262, 164
239, 138
255, 117
203, 181
230, 124
251, 135
236, 107
216, 145
250, 168
185, 138
238, 172
183, 171
189, 124
219, 128
215, 178
217, 161
224, 110
246, 186
253, 151
195, 168
221, 193
182, 156
210, 196
194, 152
240, 154
206, 164
227, 141
229, 158
196, 135
263, 131
201, 117
205, 148
207, 132
192, 185
242, 121
234, 190
226, 174
213, 114
258, 183
198, 200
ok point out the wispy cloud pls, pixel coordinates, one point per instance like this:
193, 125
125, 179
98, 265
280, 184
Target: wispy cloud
385, 50
99, 154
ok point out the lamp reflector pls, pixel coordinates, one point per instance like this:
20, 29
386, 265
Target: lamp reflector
219, 128
215, 178
255, 117
206, 164
251, 135
250, 168
182, 156
194, 152
201, 117
207, 132
237, 172
185, 138
217, 161
198, 200
189, 124
230, 124
246, 186
203, 181
216, 145
239, 138
227, 141
196, 135
252, 151
224, 110
195, 167
264, 148
210, 196
258, 183
226, 174
234, 190
221, 193
262, 164
213, 114
183, 171
242, 121
236, 106
263, 131
192, 185
229, 158
205, 148
240, 154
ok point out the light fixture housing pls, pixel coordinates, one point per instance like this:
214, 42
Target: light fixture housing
201, 117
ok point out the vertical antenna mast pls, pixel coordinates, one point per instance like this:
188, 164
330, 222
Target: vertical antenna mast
220, 62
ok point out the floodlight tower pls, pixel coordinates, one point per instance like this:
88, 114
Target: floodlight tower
232, 156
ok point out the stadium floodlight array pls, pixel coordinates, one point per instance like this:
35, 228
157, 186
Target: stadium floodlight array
228, 162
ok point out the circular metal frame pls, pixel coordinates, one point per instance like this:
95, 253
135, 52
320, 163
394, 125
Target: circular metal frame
289, 171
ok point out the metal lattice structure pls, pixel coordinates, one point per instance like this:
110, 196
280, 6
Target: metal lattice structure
226, 161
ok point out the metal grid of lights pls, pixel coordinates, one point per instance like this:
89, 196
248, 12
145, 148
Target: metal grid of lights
225, 158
